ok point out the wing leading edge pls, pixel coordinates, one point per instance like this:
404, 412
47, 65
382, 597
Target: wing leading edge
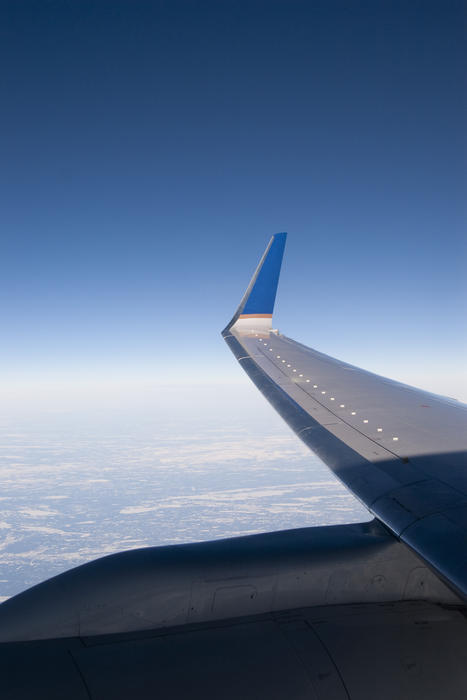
400, 450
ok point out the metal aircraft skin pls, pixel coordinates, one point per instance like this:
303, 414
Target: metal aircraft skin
375, 610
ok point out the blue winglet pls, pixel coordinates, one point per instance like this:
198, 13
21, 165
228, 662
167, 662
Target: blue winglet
257, 304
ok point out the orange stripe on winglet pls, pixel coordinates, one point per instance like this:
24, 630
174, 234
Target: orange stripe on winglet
255, 316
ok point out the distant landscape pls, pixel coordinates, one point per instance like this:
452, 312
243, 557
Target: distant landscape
79, 482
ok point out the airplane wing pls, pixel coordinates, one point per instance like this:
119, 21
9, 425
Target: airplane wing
400, 450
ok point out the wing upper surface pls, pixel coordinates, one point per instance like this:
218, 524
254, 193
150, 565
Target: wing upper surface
400, 450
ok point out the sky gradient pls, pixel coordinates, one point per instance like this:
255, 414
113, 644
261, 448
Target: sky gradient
148, 150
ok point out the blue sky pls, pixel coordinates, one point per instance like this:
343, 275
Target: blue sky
149, 149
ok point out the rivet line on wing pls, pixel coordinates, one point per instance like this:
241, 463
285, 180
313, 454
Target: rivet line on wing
323, 391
